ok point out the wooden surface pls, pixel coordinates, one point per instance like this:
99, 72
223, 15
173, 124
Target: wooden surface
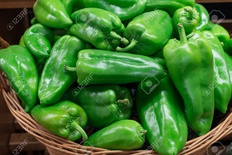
213, 1
9, 4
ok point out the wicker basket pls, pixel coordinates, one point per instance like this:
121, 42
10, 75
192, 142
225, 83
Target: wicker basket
59, 146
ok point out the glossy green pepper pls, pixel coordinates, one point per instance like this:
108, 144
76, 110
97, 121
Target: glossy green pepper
38, 39
51, 13
168, 5
161, 115
99, 27
21, 41
204, 17
189, 61
188, 17
55, 80
106, 67
148, 33
221, 33
121, 135
229, 64
125, 10
65, 119
228, 47
20, 68
72, 5
106, 104
221, 84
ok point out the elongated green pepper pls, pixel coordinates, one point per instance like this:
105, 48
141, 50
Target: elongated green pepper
168, 5
38, 39
204, 17
188, 17
221, 83
51, 13
71, 5
65, 119
121, 135
55, 80
189, 62
125, 10
221, 33
148, 33
20, 68
107, 67
161, 115
101, 28
106, 104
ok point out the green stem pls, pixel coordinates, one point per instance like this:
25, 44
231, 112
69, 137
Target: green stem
71, 69
124, 101
182, 34
75, 125
132, 44
116, 36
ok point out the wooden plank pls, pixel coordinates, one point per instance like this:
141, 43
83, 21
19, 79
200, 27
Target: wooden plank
10, 4
24, 142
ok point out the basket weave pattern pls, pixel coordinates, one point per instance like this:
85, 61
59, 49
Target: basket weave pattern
60, 146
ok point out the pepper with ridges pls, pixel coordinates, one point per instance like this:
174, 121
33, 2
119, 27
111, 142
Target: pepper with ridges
161, 115
38, 40
221, 84
106, 104
189, 61
51, 13
168, 5
101, 28
188, 17
106, 67
148, 33
125, 10
55, 80
19, 66
65, 119
120, 135
204, 17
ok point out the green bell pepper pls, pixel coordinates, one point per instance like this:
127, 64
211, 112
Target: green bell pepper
51, 13
221, 33
229, 64
99, 27
121, 135
38, 39
71, 5
106, 104
65, 119
19, 66
190, 65
55, 80
125, 10
161, 115
228, 47
204, 17
221, 84
106, 67
188, 17
21, 41
148, 33
168, 5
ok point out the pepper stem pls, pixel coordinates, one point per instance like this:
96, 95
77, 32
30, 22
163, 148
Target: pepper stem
190, 13
132, 44
182, 34
116, 36
71, 69
76, 126
125, 101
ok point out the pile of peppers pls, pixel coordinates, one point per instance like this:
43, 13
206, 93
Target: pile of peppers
141, 74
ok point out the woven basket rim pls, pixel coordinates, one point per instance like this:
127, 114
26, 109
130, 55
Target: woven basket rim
56, 144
